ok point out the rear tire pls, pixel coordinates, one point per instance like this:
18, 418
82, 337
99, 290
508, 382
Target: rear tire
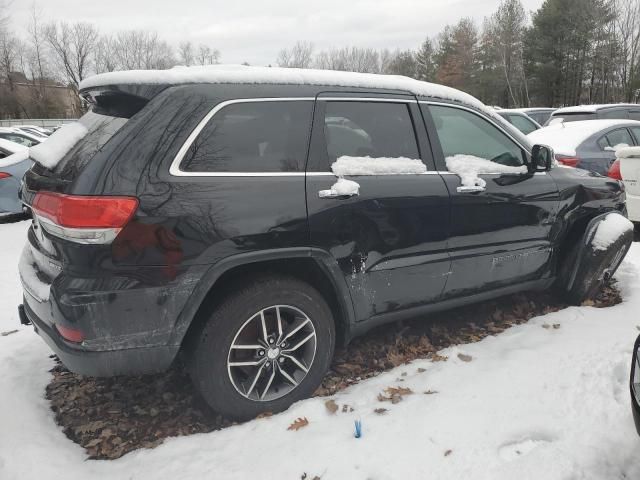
249, 317
595, 269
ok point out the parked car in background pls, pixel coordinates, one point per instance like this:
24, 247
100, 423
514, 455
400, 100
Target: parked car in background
589, 145
612, 111
12, 169
7, 147
18, 136
34, 130
520, 120
627, 168
251, 219
539, 114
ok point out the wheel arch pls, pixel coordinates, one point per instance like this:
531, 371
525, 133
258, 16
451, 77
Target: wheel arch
314, 266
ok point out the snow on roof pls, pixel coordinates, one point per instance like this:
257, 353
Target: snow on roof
278, 76
564, 138
10, 146
590, 108
532, 109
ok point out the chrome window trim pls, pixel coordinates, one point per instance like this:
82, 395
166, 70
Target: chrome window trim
367, 99
475, 112
175, 170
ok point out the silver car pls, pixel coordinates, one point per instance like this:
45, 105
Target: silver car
14, 162
588, 144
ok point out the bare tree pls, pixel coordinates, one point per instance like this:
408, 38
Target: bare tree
185, 51
207, 56
104, 55
73, 46
139, 49
352, 59
627, 26
298, 56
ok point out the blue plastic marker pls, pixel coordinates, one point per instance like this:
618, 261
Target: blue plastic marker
358, 428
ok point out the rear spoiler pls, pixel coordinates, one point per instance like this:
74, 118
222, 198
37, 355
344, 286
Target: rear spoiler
120, 100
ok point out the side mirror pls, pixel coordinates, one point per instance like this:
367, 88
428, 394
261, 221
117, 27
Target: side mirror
541, 158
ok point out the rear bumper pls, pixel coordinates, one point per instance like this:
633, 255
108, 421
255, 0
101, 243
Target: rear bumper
130, 361
633, 207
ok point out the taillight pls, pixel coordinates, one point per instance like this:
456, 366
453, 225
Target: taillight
83, 219
614, 170
70, 334
4, 175
568, 161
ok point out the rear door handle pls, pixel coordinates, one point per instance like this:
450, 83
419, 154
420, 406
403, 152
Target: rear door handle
333, 194
470, 189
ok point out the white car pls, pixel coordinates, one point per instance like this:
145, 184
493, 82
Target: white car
34, 130
627, 168
18, 136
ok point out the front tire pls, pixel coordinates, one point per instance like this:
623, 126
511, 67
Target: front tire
266, 346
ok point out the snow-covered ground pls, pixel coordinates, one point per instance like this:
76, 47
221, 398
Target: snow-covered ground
533, 403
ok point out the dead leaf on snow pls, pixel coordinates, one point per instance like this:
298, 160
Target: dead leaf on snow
299, 423
556, 326
265, 415
380, 411
430, 392
331, 406
447, 453
546, 325
422, 370
5, 334
398, 391
465, 358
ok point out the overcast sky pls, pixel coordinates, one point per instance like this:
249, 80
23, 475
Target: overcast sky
255, 30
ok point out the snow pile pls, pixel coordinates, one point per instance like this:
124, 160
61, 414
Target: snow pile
51, 151
21, 156
29, 276
280, 76
628, 152
346, 165
346, 187
565, 138
468, 167
609, 230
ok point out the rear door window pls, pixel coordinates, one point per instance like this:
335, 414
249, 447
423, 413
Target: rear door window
369, 129
616, 138
255, 136
634, 114
636, 133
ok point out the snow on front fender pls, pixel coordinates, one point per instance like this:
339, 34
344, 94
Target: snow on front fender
604, 230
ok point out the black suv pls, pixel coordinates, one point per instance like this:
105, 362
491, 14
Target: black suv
200, 215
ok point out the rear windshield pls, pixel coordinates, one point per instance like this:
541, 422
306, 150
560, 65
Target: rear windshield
101, 128
571, 117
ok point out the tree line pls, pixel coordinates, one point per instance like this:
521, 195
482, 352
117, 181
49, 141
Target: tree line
55, 53
565, 53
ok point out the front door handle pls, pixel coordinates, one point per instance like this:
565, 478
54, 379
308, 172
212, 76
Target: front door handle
334, 194
470, 189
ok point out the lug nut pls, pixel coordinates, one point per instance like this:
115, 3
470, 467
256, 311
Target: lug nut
281, 359
271, 340
261, 353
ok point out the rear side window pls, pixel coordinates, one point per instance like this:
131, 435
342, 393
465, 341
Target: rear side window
523, 124
636, 133
369, 129
614, 114
634, 114
253, 137
616, 138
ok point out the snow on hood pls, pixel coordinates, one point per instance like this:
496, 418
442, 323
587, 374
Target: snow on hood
346, 165
14, 158
628, 152
468, 167
609, 230
51, 151
565, 137
281, 76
